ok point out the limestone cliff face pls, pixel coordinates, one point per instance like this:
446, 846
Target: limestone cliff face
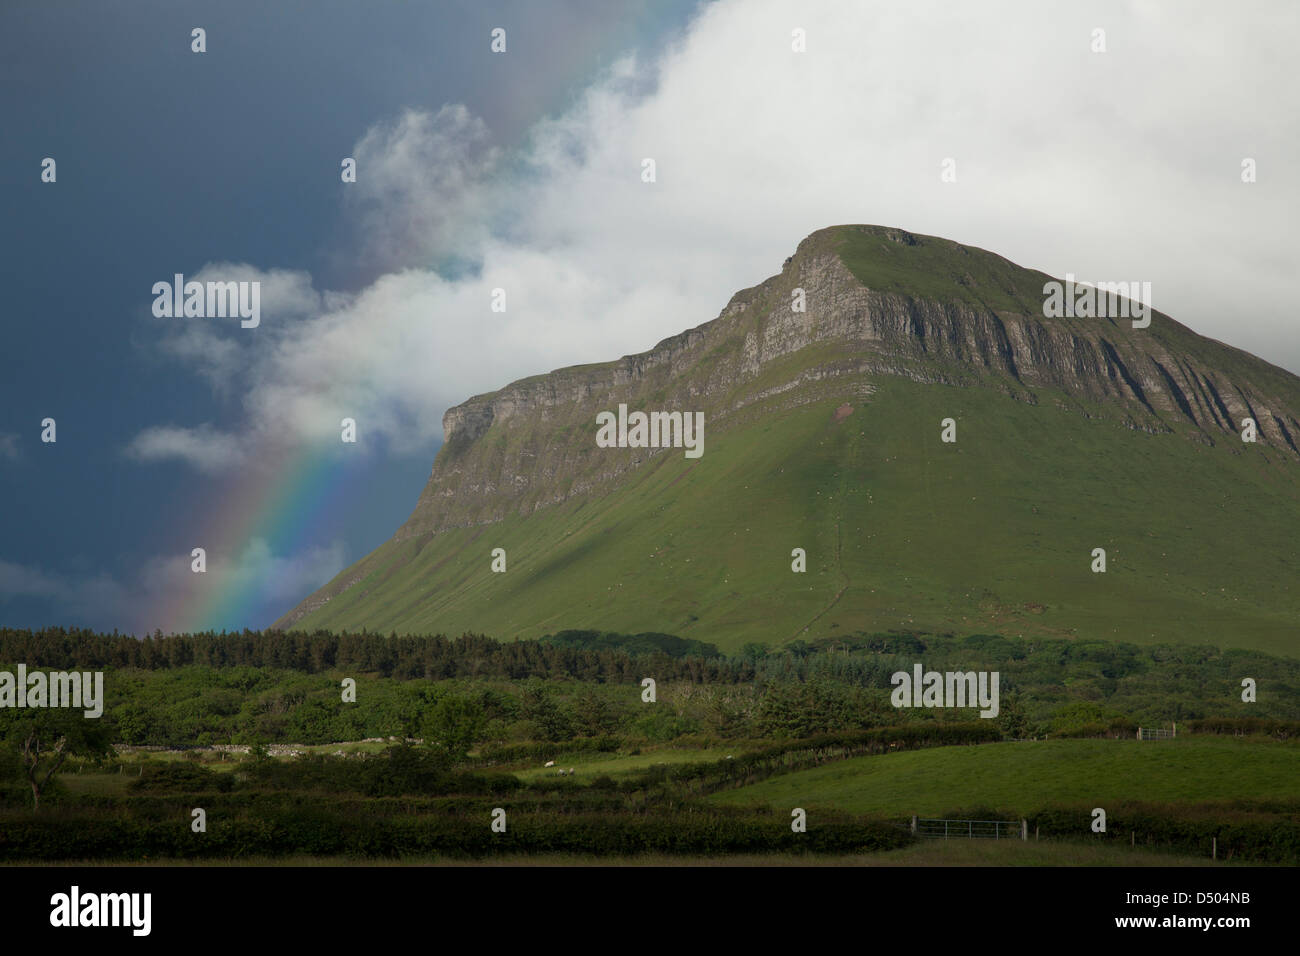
880, 302
531, 444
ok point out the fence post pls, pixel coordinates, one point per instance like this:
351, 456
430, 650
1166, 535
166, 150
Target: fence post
1024, 829
1139, 733
914, 824
1214, 852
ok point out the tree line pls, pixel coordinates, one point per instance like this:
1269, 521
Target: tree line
578, 655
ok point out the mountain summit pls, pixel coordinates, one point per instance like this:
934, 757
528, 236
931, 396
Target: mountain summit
825, 435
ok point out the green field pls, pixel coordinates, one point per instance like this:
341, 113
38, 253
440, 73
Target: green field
1174, 798
589, 765
1023, 777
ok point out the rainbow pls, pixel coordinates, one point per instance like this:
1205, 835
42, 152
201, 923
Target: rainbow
279, 504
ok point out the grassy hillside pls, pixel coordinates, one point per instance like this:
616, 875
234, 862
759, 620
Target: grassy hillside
993, 533
1023, 777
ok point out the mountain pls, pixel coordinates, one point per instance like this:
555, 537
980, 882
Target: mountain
822, 432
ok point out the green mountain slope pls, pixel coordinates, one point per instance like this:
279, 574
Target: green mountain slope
823, 433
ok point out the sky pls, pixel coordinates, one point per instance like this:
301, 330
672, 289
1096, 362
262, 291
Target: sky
1112, 156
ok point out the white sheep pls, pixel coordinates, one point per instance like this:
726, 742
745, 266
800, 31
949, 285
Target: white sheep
549, 763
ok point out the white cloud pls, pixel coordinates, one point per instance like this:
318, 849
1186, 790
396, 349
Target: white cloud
423, 185
1122, 165
286, 579
256, 573
219, 352
204, 447
261, 577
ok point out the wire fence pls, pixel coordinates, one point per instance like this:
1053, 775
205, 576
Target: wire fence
938, 829
1157, 733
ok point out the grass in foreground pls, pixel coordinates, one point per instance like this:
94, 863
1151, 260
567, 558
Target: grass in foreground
928, 853
1025, 777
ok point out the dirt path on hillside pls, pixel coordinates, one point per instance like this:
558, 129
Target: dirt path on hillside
839, 564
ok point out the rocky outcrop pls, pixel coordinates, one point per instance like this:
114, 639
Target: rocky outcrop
529, 445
